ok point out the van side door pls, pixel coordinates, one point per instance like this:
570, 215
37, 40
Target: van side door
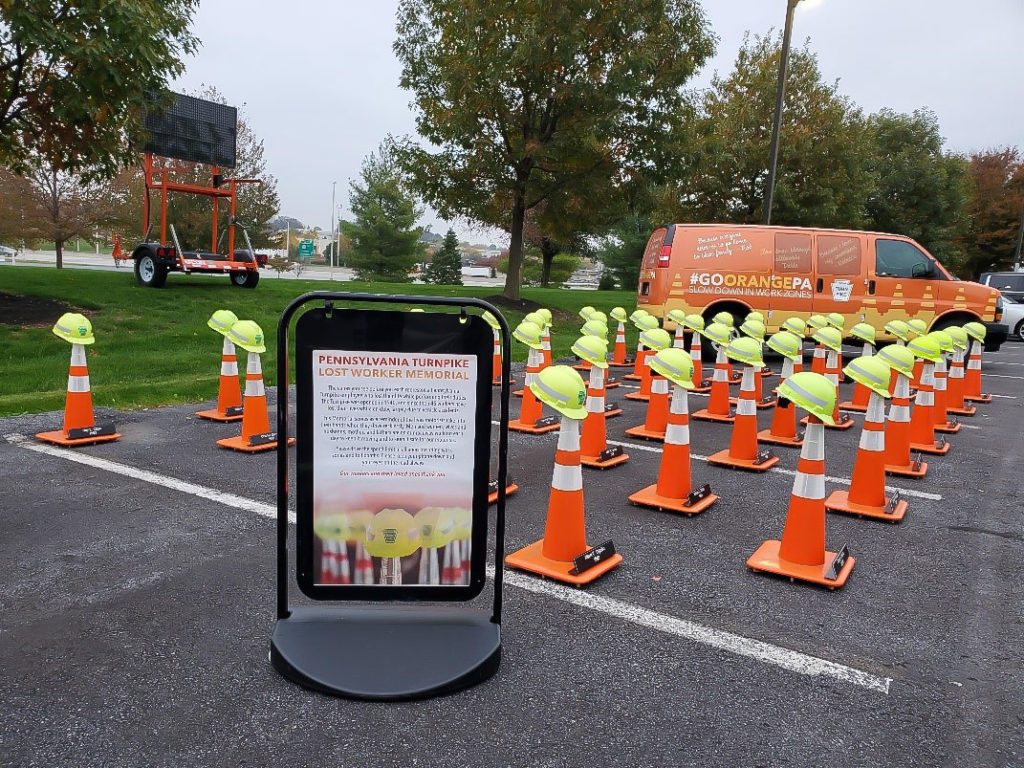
906, 283
839, 275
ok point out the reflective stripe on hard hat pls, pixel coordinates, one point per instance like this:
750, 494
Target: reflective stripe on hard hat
554, 394
805, 394
567, 478
809, 486
880, 381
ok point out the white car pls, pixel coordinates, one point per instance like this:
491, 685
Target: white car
1013, 317
7, 253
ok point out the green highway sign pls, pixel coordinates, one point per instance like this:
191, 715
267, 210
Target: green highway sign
305, 249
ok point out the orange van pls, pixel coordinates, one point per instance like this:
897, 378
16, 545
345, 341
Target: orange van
792, 271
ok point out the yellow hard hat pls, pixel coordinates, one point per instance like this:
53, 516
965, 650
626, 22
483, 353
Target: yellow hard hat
925, 347
755, 316
392, 533
619, 315
959, 337
795, 325
917, 326
899, 329
247, 335
529, 334
675, 365
646, 322
560, 387
586, 311
718, 333
358, 522
872, 372
829, 336
463, 521
745, 350
814, 322
333, 527
677, 316
724, 318
600, 316
491, 320
74, 328
694, 322
534, 317
864, 332
786, 344
593, 349
812, 392
637, 314
655, 339
943, 339
836, 320
898, 357
975, 330
545, 314
753, 328
222, 320
437, 526
594, 328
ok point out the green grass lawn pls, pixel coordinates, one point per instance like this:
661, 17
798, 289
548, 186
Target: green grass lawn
153, 346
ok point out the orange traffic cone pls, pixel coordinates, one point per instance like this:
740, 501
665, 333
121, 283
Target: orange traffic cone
619, 353
492, 490
594, 450
922, 420
531, 418
818, 361
656, 420
972, 382
557, 554
700, 384
801, 553
229, 396
833, 373
364, 565
942, 421
678, 340
545, 349
783, 430
859, 403
80, 427
638, 364
644, 393
496, 361
897, 433
256, 435
956, 387
742, 452
718, 404
673, 490
866, 496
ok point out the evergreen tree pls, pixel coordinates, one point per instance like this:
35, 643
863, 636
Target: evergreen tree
385, 245
446, 268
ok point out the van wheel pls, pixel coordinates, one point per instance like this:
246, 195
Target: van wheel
950, 320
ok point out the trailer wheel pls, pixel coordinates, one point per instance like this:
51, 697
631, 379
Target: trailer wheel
247, 279
148, 273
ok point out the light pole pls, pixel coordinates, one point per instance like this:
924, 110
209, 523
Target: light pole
334, 186
773, 156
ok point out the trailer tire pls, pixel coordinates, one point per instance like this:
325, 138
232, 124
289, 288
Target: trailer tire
250, 278
148, 273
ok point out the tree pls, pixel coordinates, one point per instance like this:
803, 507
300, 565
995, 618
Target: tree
622, 249
919, 190
77, 75
821, 180
446, 267
383, 236
561, 268
527, 100
994, 212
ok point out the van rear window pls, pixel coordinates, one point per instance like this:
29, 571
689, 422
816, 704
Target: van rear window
654, 248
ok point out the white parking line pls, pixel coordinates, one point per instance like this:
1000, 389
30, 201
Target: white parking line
1001, 376
783, 658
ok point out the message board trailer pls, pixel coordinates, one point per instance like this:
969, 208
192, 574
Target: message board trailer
393, 427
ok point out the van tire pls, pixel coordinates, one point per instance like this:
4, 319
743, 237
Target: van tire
954, 318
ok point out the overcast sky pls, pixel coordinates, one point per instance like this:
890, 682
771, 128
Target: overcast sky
318, 81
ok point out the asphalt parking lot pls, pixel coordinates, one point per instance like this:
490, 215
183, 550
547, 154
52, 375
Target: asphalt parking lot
138, 603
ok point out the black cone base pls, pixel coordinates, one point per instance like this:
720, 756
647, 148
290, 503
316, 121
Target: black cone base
384, 654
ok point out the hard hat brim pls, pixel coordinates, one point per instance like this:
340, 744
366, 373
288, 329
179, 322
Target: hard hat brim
257, 348
72, 340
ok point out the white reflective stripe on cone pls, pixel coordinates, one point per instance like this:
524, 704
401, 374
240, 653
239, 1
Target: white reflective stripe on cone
928, 375
569, 435
596, 378
940, 383
595, 404
720, 374
899, 413
787, 369
253, 365
814, 443
747, 385
78, 383
567, 478
254, 388
228, 348
659, 385
678, 342
872, 440
677, 434
229, 368
745, 407
876, 409
956, 372
925, 398
77, 354
902, 386
868, 350
680, 401
809, 486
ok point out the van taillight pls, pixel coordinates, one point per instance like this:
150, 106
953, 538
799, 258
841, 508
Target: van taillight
665, 256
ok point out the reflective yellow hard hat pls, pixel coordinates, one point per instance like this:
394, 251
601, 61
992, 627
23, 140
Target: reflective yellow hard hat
247, 335
491, 320
795, 325
814, 322
755, 316
786, 344
562, 388
437, 526
836, 320
594, 328
753, 328
943, 339
655, 339
529, 334
593, 349
899, 329
745, 350
334, 527
925, 348
463, 522
917, 327
358, 522
74, 328
646, 322
724, 318
392, 533
898, 358
975, 330
619, 315
830, 337
222, 320
534, 317
694, 322
872, 372
599, 316
718, 333
637, 314
812, 392
545, 315
959, 337
677, 316
675, 365
864, 332
586, 311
